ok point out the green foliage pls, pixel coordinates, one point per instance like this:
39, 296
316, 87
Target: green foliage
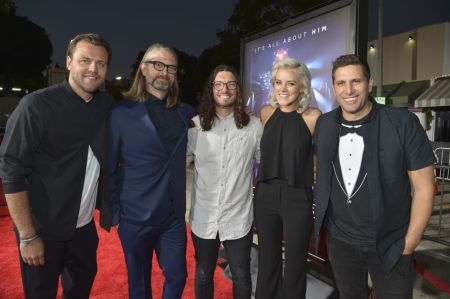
428, 118
7, 7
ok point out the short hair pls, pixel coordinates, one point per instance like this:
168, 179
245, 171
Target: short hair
207, 107
304, 97
351, 59
138, 89
92, 38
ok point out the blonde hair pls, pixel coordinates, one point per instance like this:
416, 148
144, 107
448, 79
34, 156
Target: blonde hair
138, 89
304, 98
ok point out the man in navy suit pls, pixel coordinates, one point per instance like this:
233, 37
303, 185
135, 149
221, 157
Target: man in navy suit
148, 139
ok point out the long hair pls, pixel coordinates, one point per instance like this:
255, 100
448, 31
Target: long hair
207, 108
92, 38
138, 89
304, 98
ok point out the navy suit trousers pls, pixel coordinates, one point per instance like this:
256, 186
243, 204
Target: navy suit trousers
168, 240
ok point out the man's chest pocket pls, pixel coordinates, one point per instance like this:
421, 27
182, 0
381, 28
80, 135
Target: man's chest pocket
239, 145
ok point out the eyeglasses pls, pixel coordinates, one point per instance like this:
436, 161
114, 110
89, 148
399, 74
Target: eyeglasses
160, 66
218, 85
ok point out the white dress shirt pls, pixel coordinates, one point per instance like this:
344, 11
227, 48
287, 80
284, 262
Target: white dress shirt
222, 193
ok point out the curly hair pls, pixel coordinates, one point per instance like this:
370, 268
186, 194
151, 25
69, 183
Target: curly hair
304, 98
207, 107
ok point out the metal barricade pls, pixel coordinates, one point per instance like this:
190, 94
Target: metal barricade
438, 227
443, 159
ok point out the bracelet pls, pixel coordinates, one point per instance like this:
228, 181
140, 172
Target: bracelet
29, 240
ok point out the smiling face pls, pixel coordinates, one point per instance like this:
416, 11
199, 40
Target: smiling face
352, 89
158, 82
87, 69
287, 87
225, 97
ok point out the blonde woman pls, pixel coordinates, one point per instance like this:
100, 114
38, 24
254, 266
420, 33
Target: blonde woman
283, 201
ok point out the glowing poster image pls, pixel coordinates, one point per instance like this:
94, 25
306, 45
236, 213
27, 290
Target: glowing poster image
314, 40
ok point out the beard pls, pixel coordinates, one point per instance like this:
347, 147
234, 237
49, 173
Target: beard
225, 105
85, 84
158, 84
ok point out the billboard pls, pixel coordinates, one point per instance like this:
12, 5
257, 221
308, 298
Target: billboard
315, 38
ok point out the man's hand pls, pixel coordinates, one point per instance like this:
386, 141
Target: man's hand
33, 252
31, 246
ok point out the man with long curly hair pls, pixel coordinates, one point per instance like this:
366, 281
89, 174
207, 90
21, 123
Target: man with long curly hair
223, 145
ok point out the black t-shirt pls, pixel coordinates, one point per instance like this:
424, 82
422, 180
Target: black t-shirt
350, 215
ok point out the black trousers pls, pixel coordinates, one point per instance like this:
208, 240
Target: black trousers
238, 257
282, 212
351, 265
75, 260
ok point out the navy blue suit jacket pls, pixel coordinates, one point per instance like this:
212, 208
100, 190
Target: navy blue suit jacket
143, 175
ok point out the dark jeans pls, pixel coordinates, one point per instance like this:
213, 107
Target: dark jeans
75, 260
351, 265
238, 258
282, 213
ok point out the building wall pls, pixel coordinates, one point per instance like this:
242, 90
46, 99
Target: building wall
424, 57
430, 50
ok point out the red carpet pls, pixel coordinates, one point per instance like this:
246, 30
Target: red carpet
111, 279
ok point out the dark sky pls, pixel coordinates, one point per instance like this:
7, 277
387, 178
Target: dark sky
403, 15
130, 26
189, 25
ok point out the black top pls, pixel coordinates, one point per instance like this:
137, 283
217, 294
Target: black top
350, 216
168, 123
286, 150
44, 152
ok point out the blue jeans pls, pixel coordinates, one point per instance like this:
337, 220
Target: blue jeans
351, 265
238, 258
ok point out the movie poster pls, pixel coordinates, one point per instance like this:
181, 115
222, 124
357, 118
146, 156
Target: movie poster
316, 42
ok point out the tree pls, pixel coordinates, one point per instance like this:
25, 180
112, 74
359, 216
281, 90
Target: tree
26, 49
187, 75
7, 7
250, 16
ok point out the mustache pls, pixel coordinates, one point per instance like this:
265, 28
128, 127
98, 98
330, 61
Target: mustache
165, 77
95, 74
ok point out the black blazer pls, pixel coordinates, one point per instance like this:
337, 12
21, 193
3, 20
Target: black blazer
397, 145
